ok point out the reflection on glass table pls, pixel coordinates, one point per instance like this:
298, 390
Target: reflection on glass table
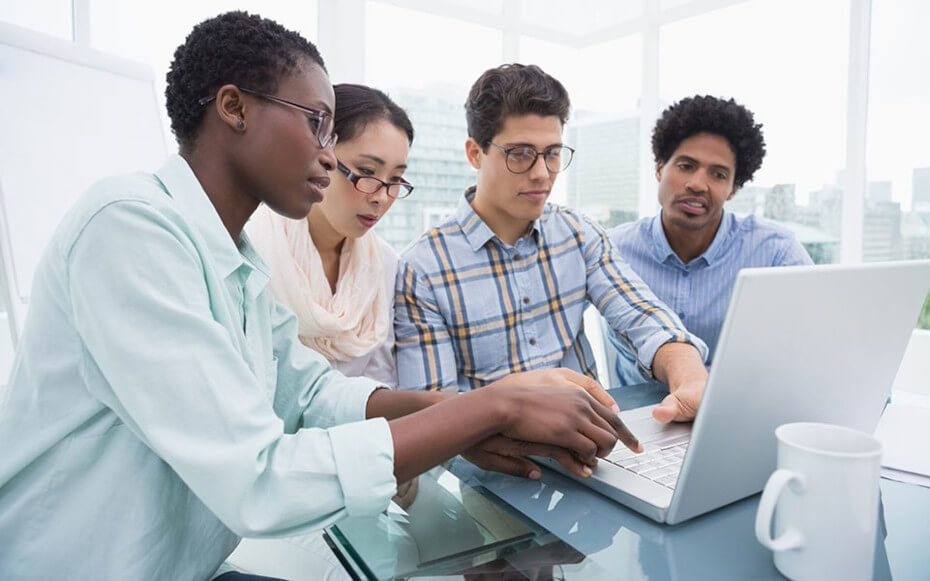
453, 528
449, 526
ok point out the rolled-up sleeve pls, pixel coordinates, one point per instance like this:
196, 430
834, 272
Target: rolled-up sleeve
357, 447
642, 321
165, 361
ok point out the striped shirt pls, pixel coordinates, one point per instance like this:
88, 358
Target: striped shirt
471, 309
699, 291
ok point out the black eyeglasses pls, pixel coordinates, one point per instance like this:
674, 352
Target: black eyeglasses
322, 123
371, 184
522, 158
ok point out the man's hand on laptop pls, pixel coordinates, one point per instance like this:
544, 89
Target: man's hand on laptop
679, 366
681, 405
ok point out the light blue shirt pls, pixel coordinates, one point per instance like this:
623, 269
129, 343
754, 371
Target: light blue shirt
699, 292
471, 309
161, 405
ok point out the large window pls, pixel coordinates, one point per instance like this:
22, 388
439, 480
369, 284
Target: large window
786, 60
603, 180
896, 222
622, 62
417, 58
897, 215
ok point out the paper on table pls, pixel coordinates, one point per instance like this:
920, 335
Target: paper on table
905, 477
904, 432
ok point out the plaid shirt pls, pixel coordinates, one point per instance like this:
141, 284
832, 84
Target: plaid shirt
471, 309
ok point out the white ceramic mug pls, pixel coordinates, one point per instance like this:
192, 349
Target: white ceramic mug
824, 496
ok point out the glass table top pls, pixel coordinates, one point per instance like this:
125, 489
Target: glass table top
467, 523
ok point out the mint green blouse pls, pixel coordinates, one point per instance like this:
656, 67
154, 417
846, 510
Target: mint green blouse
161, 405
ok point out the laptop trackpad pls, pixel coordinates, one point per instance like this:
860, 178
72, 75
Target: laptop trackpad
648, 429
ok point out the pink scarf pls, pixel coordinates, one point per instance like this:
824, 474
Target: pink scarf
340, 326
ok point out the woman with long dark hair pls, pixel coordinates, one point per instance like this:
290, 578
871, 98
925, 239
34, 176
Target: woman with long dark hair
331, 268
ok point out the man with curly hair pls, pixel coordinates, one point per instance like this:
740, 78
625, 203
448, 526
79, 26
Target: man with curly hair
705, 149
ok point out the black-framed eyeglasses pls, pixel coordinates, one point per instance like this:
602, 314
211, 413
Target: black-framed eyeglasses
521, 158
371, 184
322, 123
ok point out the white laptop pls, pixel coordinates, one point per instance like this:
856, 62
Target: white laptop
802, 343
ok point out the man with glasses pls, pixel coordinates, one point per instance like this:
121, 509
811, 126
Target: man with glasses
705, 149
500, 287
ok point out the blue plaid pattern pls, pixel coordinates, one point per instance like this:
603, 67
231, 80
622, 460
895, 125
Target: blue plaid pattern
470, 309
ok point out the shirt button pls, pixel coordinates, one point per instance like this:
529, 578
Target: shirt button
532, 341
526, 300
685, 273
681, 315
517, 257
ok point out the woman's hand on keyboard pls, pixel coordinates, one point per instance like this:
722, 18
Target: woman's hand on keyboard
560, 376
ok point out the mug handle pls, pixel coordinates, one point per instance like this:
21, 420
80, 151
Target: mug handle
791, 538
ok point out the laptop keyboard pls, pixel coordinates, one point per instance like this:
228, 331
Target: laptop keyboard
659, 462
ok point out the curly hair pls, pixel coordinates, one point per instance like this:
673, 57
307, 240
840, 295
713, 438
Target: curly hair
358, 105
512, 89
238, 48
706, 114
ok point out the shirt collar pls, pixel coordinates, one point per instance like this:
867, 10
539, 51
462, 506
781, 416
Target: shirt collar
664, 252
474, 228
182, 185
720, 243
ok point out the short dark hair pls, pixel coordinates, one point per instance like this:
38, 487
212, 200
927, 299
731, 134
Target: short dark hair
706, 114
512, 89
238, 48
358, 105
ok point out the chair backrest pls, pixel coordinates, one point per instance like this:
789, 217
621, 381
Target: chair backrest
70, 116
605, 355
611, 355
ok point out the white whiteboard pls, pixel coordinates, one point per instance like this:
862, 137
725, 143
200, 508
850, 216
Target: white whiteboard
69, 116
